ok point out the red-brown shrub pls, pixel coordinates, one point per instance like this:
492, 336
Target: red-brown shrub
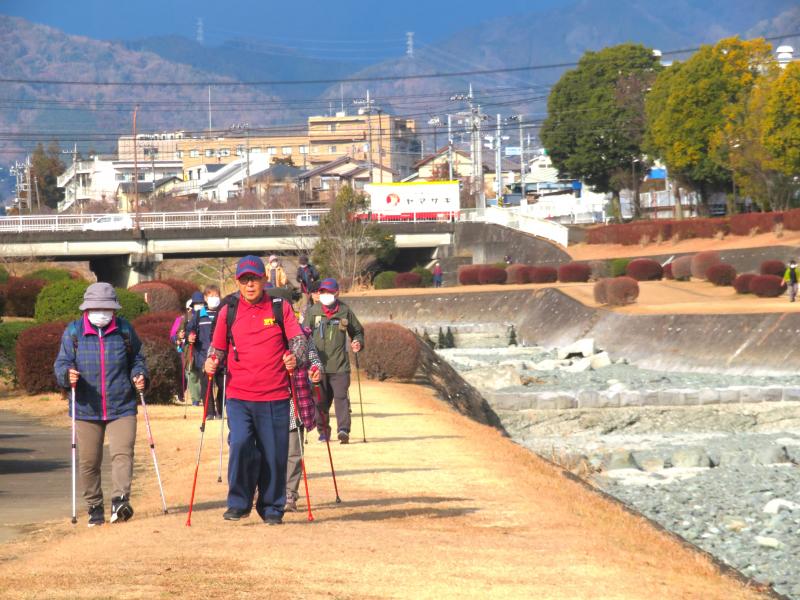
517, 274
159, 296
162, 321
742, 283
699, 228
668, 272
644, 269
682, 268
791, 219
543, 274
163, 363
468, 274
37, 348
183, 288
21, 294
390, 350
601, 291
702, 261
408, 280
773, 267
621, 291
767, 286
721, 274
574, 272
743, 224
487, 275
633, 233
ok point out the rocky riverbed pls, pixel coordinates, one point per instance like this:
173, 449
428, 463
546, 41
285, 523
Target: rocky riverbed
711, 457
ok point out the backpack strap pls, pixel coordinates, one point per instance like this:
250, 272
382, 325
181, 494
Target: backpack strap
232, 302
277, 313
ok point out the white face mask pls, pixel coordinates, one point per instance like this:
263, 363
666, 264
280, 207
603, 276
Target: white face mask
100, 318
274, 264
213, 302
327, 299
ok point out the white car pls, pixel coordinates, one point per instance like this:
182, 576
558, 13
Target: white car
307, 220
116, 222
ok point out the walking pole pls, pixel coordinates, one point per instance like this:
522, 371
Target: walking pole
327, 441
222, 427
199, 450
153, 450
74, 499
358, 378
187, 359
296, 413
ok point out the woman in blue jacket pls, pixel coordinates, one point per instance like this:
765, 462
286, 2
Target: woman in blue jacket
102, 356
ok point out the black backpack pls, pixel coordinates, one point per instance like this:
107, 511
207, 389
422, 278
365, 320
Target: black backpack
232, 302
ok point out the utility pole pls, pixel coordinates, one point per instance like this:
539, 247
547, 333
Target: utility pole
246, 127
498, 164
135, 170
367, 111
380, 144
28, 183
209, 111
518, 118
476, 145
36, 185
449, 148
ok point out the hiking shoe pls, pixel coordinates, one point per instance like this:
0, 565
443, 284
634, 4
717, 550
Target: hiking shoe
97, 515
234, 514
323, 437
344, 437
273, 520
121, 509
291, 504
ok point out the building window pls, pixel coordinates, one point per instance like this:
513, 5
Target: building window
209, 152
286, 150
331, 149
239, 150
141, 177
225, 152
179, 154
255, 150
366, 147
119, 177
272, 150
303, 149
194, 153
332, 127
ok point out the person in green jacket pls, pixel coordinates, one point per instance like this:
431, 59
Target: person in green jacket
791, 278
331, 322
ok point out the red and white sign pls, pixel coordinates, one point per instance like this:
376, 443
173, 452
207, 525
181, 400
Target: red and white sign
415, 199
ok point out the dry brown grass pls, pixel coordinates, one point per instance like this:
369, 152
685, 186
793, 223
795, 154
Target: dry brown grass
435, 506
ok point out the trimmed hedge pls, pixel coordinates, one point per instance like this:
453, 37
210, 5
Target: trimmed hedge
163, 363
702, 261
618, 267
132, 304
742, 283
21, 294
384, 280
425, 274
644, 269
160, 321
601, 291
767, 286
773, 267
491, 275
760, 222
408, 280
37, 348
390, 350
682, 268
721, 274
50, 275
468, 274
517, 274
574, 272
59, 301
621, 291
9, 332
159, 296
543, 274
183, 288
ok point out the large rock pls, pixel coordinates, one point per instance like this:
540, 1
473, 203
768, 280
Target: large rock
770, 455
578, 366
776, 505
690, 458
600, 360
620, 459
584, 348
493, 378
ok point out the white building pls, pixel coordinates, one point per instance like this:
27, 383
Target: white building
229, 181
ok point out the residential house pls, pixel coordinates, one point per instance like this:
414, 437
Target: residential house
126, 195
319, 186
277, 182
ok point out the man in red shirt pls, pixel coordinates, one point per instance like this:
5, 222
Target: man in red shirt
257, 392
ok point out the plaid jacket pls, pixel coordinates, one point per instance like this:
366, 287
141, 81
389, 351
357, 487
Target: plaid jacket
302, 390
104, 391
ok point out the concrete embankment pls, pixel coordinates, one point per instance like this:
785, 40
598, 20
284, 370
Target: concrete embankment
754, 344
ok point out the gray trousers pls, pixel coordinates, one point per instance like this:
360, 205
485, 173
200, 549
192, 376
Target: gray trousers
294, 470
334, 387
792, 289
121, 438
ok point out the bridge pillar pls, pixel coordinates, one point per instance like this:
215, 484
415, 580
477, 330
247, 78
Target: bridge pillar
126, 270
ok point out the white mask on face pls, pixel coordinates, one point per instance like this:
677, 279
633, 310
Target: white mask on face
274, 264
327, 299
213, 302
100, 318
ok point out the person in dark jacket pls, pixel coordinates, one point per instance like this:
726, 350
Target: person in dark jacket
200, 329
102, 356
331, 321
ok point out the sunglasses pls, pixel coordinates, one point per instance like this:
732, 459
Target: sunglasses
247, 278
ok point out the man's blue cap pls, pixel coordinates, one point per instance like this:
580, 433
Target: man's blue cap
198, 298
329, 284
250, 265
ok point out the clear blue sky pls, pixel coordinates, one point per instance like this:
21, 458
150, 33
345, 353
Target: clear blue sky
223, 19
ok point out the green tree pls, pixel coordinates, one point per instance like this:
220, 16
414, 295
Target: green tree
781, 133
690, 103
596, 119
347, 244
46, 166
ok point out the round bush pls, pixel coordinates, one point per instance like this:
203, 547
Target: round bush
517, 274
600, 269
742, 283
132, 304
183, 288
601, 291
773, 267
163, 363
682, 268
50, 275
390, 350
618, 267
9, 332
721, 274
408, 280
161, 321
159, 296
21, 294
767, 286
59, 301
468, 274
644, 269
489, 275
37, 348
574, 272
543, 274
668, 272
425, 274
385, 280
702, 261
622, 291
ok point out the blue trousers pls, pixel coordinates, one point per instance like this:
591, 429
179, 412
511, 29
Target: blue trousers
259, 450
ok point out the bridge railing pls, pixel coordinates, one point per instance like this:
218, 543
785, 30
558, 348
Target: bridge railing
514, 219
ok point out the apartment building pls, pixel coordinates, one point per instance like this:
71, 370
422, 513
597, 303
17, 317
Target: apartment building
158, 146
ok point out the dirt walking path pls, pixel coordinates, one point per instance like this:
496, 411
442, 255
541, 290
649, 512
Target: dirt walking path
435, 506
